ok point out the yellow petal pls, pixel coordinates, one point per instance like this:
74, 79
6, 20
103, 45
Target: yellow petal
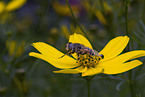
72, 71
128, 56
114, 47
15, 4
92, 71
52, 55
12, 47
117, 62
48, 50
112, 68
65, 31
2, 5
100, 17
78, 38
120, 68
64, 10
59, 63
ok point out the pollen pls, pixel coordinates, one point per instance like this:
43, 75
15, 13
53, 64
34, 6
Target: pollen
87, 60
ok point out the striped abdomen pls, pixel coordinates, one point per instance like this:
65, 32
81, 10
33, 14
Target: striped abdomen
89, 51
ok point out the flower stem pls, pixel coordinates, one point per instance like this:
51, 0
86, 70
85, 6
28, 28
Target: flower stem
102, 6
108, 20
131, 84
126, 16
73, 16
88, 79
88, 86
131, 81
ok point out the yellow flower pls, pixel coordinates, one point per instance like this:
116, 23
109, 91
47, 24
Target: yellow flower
12, 5
112, 63
62, 9
5, 9
15, 48
2, 6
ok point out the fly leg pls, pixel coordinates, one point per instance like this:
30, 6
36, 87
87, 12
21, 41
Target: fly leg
68, 53
61, 56
78, 57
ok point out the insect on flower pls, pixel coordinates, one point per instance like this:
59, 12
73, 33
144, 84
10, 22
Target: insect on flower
85, 55
81, 50
113, 62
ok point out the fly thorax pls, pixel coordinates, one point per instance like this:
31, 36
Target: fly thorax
87, 60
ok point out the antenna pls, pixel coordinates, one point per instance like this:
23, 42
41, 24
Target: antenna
61, 56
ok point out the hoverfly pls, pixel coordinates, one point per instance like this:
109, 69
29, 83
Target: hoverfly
81, 50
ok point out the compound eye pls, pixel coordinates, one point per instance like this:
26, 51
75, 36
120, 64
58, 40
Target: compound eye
79, 47
102, 56
70, 42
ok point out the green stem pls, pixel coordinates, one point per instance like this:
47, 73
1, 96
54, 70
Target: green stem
126, 21
109, 20
126, 17
102, 7
88, 86
131, 81
88, 79
76, 19
131, 84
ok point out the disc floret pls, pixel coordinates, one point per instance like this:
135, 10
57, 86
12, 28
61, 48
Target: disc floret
88, 61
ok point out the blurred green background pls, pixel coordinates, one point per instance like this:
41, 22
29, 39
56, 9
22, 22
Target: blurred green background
23, 22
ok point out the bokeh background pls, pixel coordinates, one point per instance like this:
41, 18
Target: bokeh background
23, 22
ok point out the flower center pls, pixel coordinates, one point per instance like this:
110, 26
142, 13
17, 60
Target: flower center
89, 61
